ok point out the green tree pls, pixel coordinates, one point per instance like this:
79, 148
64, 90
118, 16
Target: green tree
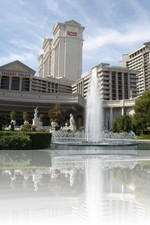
25, 116
141, 117
123, 123
56, 113
13, 115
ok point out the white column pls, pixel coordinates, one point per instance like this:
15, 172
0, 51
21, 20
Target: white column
30, 84
122, 108
10, 82
122, 111
123, 95
111, 117
110, 79
117, 92
20, 83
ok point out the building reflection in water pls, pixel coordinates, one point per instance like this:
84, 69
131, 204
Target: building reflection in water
39, 188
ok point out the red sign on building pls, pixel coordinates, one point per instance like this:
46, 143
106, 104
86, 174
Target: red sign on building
71, 33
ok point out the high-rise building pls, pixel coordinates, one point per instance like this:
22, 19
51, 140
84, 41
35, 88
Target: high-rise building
117, 88
115, 83
61, 56
139, 60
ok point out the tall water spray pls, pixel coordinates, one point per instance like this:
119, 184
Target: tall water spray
94, 115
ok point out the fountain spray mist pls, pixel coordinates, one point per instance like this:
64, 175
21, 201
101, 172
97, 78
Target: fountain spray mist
94, 115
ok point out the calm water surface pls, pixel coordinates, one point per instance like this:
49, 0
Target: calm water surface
75, 186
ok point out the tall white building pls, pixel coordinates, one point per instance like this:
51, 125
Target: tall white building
115, 83
139, 60
61, 56
117, 88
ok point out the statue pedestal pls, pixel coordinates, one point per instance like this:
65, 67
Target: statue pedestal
37, 123
72, 128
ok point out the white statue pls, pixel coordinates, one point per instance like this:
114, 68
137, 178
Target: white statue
72, 122
36, 113
36, 121
71, 126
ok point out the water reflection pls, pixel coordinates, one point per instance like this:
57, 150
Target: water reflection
45, 187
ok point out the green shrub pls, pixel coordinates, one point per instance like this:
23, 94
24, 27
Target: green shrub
144, 136
123, 123
15, 142
40, 140
26, 127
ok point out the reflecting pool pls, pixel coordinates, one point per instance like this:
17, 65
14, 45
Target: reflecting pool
75, 186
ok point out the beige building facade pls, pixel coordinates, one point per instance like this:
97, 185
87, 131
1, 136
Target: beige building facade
61, 56
19, 77
115, 83
22, 91
117, 88
139, 60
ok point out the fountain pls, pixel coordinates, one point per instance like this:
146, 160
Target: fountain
94, 115
93, 134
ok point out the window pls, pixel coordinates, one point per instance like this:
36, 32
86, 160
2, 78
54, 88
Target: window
15, 83
5, 82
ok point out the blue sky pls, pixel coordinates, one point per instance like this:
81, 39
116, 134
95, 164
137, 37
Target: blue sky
112, 28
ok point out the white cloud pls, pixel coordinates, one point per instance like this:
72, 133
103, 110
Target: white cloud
115, 37
21, 44
54, 7
22, 2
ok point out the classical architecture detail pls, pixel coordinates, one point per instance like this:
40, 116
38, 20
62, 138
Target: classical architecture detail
19, 77
21, 91
16, 76
62, 56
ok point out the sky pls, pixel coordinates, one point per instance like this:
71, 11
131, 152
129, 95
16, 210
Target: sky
112, 28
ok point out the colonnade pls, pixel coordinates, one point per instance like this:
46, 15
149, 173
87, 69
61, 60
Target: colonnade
21, 79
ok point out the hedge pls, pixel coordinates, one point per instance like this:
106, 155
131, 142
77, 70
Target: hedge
40, 140
17, 140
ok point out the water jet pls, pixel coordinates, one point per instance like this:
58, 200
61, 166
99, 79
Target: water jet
93, 134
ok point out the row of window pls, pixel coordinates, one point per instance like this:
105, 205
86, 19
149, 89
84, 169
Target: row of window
37, 85
15, 83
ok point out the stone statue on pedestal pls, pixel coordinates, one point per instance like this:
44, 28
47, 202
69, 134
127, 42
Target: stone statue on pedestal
72, 123
36, 121
36, 113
